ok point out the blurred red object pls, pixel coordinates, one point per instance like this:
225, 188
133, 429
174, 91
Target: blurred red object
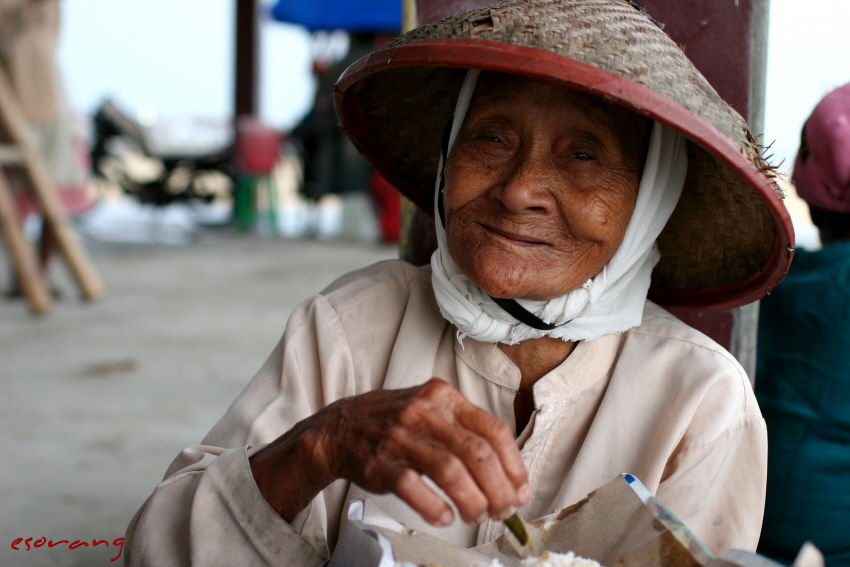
77, 199
77, 196
257, 146
388, 202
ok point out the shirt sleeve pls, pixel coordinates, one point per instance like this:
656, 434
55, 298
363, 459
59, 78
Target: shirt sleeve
208, 511
717, 487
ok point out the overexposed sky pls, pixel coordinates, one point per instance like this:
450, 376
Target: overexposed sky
808, 56
175, 56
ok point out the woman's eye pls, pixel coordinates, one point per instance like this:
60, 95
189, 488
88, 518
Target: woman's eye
582, 156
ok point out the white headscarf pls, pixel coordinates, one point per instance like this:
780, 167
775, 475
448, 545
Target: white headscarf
612, 301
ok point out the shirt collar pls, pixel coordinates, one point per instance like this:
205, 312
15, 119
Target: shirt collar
589, 362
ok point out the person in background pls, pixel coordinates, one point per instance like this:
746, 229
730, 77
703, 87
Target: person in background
803, 369
29, 38
332, 165
29, 33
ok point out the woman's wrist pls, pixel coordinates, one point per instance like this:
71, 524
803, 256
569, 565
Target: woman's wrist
292, 470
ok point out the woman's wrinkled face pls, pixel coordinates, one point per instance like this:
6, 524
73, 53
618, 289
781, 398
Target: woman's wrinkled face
540, 186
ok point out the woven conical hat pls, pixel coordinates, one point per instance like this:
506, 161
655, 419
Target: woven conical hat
729, 240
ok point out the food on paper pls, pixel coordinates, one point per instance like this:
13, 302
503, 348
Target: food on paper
551, 559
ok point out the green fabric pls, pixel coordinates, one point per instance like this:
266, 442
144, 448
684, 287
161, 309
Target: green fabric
803, 387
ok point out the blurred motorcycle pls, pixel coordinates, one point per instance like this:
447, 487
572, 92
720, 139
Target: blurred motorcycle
121, 154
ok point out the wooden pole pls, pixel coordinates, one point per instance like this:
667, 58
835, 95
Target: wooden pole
23, 258
245, 79
43, 192
409, 15
406, 246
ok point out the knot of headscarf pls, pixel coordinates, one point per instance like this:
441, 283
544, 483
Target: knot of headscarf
610, 302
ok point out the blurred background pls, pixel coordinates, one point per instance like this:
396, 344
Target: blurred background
204, 245
170, 66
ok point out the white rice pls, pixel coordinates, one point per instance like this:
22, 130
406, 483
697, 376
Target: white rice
551, 559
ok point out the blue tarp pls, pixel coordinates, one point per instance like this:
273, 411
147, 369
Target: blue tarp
348, 15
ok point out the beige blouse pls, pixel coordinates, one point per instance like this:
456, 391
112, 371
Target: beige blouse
661, 401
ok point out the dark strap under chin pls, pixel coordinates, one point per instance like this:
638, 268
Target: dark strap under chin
523, 315
511, 306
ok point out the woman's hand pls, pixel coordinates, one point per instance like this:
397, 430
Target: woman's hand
385, 440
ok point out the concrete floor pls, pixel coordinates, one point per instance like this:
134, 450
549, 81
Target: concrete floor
96, 399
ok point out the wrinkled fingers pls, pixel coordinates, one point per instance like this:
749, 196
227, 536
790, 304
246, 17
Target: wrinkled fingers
411, 488
450, 473
468, 455
500, 437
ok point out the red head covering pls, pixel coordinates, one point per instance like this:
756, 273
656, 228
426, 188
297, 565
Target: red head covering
822, 168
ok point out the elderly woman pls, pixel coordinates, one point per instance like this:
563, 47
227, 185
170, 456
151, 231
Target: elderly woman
525, 367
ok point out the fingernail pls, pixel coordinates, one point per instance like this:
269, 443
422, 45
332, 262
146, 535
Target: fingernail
506, 513
446, 518
481, 518
524, 494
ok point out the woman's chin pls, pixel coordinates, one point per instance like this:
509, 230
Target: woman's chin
499, 277
517, 274
502, 285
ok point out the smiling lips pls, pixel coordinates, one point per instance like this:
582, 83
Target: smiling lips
515, 238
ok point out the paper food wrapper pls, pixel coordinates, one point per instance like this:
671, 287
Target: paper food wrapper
619, 525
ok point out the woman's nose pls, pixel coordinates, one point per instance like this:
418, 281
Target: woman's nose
527, 186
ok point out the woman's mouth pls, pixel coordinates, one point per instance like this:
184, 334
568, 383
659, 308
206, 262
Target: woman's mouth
516, 238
